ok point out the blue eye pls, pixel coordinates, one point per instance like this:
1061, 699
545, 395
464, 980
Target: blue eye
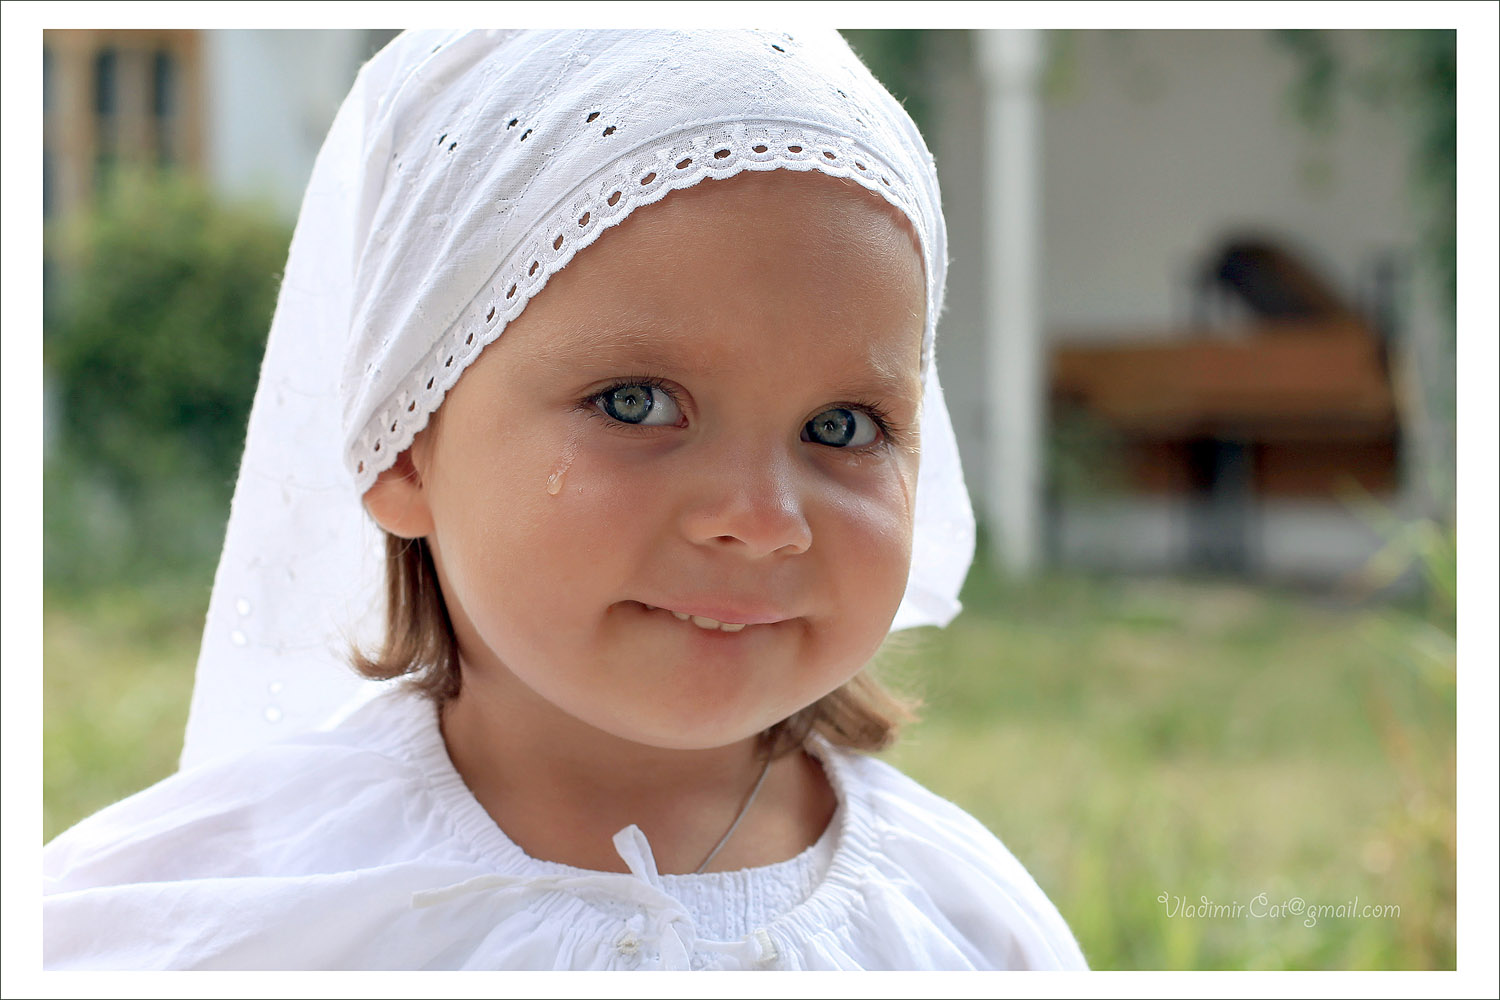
838, 427
640, 404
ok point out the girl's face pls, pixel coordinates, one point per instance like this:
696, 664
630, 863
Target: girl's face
674, 501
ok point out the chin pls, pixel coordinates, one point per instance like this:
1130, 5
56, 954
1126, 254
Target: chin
696, 733
692, 738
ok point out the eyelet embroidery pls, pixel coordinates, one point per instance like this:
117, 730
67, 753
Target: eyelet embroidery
638, 180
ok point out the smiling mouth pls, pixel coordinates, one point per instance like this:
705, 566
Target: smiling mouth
707, 624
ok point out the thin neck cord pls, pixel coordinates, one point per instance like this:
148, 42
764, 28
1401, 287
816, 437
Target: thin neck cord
766, 769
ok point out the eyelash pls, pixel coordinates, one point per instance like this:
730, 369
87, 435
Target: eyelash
593, 404
888, 432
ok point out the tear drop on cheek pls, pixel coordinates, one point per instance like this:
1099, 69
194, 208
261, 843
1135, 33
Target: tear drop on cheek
555, 480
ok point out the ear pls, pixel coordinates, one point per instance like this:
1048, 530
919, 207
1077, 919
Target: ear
397, 500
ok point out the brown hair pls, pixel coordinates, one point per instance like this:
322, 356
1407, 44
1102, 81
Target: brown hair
863, 714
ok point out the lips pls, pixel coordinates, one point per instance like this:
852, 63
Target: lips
701, 621
723, 620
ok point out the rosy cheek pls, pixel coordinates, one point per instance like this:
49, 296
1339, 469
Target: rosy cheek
576, 480
879, 525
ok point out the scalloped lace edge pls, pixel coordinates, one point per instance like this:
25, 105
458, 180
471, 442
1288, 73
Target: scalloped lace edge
600, 203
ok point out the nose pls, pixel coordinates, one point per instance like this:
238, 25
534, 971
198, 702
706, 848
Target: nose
751, 504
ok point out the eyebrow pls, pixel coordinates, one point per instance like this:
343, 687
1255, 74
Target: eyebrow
609, 345
881, 380
624, 346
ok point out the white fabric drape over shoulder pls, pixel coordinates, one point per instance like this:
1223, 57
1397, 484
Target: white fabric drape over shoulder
463, 170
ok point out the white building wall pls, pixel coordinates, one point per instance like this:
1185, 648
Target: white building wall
271, 95
1156, 146
957, 140
1159, 143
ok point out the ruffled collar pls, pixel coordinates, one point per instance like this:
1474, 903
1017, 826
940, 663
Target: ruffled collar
664, 929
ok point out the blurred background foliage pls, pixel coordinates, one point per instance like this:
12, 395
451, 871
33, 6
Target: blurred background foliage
900, 60
154, 323
1126, 737
157, 301
1412, 75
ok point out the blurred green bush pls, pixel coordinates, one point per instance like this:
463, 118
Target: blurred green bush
156, 308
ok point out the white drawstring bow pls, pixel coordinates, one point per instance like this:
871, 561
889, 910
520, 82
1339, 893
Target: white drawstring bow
663, 928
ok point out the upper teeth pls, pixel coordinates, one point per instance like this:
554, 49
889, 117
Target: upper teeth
702, 622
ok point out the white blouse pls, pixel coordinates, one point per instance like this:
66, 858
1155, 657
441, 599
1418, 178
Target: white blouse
361, 848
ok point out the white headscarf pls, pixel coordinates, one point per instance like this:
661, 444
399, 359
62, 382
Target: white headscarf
462, 171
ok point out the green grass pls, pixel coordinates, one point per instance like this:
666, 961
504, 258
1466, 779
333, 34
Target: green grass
1127, 739
118, 673
1213, 741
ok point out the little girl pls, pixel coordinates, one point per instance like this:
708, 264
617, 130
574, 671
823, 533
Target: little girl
611, 355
